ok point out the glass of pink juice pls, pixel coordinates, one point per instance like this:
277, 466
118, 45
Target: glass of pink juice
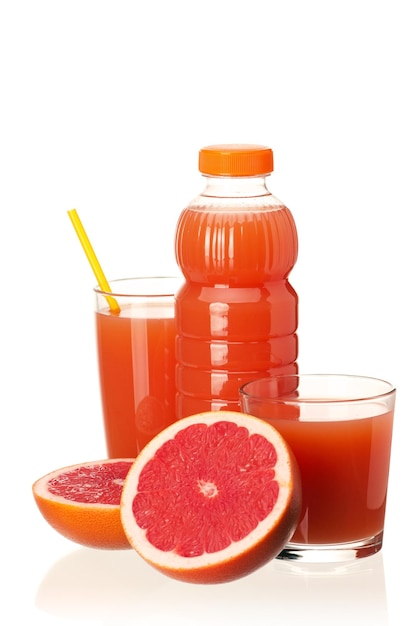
340, 429
136, 358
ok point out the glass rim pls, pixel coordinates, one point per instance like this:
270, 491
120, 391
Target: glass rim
291, 398
147, 293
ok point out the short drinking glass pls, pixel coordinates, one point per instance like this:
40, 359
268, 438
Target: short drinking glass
340, 429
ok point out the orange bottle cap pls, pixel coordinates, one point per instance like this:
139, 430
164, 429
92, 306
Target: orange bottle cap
236, 160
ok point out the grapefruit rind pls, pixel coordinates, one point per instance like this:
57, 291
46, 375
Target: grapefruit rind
244, 556
91, 525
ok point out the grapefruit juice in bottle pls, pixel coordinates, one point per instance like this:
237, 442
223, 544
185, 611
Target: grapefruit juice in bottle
236, 313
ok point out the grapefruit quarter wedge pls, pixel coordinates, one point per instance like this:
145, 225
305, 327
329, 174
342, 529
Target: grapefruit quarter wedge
212, 498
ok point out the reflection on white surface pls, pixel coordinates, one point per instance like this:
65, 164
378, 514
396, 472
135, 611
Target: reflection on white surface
112, 587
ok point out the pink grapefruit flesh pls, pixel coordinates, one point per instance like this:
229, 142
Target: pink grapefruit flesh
212, 498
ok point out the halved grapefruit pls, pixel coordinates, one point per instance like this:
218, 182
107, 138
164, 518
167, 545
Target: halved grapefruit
82, 502
212, 498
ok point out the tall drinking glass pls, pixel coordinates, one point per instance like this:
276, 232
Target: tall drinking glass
136, 357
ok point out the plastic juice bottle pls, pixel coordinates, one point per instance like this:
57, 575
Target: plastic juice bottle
236, 313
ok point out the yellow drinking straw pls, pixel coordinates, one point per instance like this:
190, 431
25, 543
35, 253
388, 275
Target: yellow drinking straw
96, 267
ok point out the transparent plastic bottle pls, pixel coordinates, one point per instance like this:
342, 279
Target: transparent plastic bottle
237, 313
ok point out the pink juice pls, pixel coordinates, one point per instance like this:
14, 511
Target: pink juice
344, 466
137, 372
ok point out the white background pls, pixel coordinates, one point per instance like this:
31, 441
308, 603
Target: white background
103, 107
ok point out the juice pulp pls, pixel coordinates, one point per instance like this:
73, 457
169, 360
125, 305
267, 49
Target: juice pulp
136, 358
237, 312
344, 467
